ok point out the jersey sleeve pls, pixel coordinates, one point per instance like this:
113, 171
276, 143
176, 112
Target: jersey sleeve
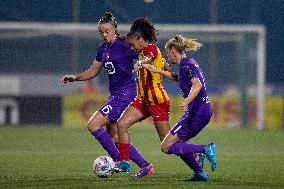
99, 54
132, 53
135, 54
151, 51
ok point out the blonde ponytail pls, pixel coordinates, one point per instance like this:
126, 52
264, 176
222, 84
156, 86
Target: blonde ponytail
183, 44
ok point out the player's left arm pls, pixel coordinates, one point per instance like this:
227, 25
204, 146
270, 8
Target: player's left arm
195, 89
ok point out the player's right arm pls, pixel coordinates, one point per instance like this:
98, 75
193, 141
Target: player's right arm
90, 73
167, 72
174, 75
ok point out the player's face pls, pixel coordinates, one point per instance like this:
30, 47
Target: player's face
136, 42
107, 32
171, 54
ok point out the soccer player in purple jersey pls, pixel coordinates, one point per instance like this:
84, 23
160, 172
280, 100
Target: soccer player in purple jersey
116, 56
196, 107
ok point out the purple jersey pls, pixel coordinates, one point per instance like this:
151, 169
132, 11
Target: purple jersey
117, 59
187, 70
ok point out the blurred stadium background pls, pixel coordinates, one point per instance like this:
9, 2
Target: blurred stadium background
40, 41
242, 59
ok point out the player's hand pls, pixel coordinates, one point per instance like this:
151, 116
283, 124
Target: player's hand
184, 105
68, 78
151, 68
136, 67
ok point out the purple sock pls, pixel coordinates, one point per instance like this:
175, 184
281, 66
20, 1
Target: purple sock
185, 148
136, 157
189, 159
107, 143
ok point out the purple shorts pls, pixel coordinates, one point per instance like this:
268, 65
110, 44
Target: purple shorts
190, 125
116, 104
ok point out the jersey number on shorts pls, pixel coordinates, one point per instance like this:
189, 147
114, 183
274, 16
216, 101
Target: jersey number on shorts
110, 68
107, 109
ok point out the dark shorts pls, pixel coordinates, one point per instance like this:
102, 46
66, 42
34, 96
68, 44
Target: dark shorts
159, 112
116, 104
190, 125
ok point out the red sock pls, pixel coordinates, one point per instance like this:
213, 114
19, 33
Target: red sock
124, 151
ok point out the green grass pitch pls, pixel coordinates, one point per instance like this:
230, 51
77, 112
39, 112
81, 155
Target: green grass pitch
45, 157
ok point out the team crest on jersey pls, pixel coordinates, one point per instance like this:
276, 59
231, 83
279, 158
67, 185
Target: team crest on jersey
190, 73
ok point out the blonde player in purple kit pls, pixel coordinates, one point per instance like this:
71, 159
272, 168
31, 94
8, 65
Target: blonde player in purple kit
196, 107
116, 56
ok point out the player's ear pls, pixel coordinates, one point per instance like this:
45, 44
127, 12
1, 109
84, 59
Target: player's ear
115, 31
173, 52
141, 39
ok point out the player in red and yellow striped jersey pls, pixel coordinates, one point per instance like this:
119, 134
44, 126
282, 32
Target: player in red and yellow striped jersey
149, 87
151, 100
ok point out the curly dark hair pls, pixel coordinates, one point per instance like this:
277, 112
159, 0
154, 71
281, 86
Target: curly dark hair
144, 28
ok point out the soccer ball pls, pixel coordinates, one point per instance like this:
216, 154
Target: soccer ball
103, 166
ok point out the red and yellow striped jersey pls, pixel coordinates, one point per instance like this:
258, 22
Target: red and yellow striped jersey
149, 84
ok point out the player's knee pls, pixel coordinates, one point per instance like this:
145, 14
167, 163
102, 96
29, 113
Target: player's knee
164, 148
122, 125
122, 131
92, 127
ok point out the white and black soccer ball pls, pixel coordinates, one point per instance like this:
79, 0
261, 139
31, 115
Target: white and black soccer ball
103, 166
